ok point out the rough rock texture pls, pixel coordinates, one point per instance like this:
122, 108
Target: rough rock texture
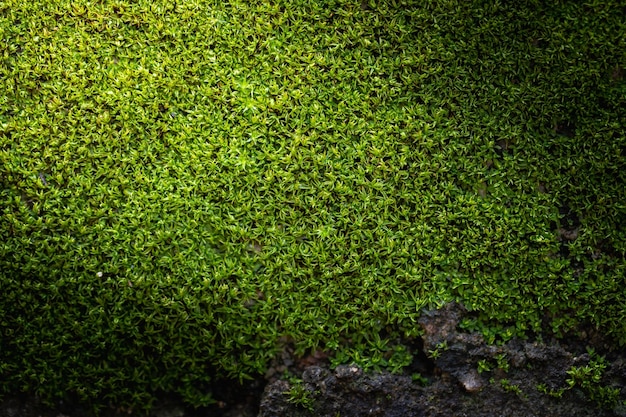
456, 387
390, 395
346, 391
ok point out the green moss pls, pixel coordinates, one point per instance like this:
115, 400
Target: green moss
184, 183
589, 379
300, 395
510, 387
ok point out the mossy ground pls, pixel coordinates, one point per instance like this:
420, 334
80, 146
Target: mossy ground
184, 183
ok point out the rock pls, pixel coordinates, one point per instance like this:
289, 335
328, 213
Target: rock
471, 381
509, 388
345, 371
346, 391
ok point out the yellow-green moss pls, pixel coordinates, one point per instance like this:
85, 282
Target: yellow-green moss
184, 182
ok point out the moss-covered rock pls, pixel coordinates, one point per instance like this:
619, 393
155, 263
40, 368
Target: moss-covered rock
183, 184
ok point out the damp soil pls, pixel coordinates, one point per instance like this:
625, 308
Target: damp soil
468, 377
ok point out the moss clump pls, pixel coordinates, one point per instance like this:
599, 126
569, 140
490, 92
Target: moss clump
184, 183
588, 378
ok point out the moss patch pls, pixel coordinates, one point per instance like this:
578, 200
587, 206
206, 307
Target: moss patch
184, 183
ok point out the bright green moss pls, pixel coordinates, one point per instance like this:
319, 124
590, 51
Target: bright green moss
183, 183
